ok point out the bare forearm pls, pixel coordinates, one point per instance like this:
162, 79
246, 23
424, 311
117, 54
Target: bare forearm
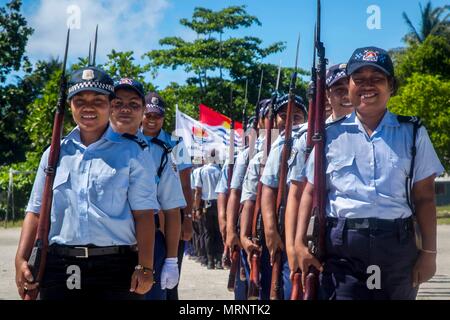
293, 203
221, 210
172, 230
27, 236
423, 195
268, 204
197, 198
304, 215
187, 192
144, 221
246, 219
233, 210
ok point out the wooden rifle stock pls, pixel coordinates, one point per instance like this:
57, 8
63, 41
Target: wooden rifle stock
319, 193
275, 288
297, 289
235, 255
38, 257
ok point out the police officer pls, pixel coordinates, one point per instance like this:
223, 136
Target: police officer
199, 222
233, 206
270, 177
152, 123
205, 204
370, 176
126, 116
102, 205
337, 97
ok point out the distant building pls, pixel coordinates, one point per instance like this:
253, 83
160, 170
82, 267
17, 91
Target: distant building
442, 190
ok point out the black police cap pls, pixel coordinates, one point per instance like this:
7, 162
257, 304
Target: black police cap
90, 79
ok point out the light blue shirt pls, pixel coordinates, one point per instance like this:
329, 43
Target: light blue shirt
180, 154
366, 175
169, 190
207, 178
222, 185
271, 172
250, 184
95, 189
297, 162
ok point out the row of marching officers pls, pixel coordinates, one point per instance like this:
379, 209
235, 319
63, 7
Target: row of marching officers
379, 195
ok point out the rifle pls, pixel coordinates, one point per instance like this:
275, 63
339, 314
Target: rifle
235, 254
317, 243
297, 289
275, 288
38, 257
244, 114
257, 228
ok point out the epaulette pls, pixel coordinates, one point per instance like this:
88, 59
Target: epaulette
141, 143
162, 144
335, 122
409, 119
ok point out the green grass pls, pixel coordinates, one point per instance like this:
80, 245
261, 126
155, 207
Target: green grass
443, 214
11, 224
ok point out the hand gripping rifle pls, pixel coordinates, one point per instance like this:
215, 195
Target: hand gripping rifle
275, 287
257, 227
38, 256
317, 243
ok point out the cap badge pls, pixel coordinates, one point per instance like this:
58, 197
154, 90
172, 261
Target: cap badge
126, 81
155, 100
371, 56
88, 74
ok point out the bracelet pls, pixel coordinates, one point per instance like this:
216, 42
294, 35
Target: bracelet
144, 269
429, 251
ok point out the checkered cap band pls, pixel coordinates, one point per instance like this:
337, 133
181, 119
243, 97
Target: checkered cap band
91, 84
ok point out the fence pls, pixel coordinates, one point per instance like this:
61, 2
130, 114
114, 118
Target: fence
10, 204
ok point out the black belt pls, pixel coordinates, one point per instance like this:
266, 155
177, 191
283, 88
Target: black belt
374, 223
88, 251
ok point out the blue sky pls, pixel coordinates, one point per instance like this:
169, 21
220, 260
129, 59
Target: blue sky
138, 25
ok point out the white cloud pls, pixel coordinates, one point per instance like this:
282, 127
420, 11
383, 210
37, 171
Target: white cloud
123, 26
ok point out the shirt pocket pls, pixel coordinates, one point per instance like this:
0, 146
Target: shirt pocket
341, 174
399, 170
109, 191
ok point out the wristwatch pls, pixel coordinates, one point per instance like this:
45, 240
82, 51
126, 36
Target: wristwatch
144, 269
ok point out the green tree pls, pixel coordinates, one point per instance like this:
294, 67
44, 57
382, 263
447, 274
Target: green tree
430, 57
219, 65
428, 97
431, 23
14, 35
207, 53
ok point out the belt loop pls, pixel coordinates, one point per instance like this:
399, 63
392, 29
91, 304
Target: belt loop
338, 233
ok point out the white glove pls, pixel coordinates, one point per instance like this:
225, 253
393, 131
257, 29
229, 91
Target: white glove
170, 274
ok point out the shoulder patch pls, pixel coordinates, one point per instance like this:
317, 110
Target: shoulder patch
409, 119
141, 143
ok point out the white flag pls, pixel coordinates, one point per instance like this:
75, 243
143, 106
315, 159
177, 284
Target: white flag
198, 138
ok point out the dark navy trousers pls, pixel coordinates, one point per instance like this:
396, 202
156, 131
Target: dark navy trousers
354, 247
159, 256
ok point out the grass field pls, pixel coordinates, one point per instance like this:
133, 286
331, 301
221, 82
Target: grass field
443, 214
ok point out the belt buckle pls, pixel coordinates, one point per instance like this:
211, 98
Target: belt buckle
86, 252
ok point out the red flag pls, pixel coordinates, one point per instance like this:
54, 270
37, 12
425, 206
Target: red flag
216, 119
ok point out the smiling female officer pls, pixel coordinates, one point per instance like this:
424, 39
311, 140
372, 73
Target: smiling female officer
369, 163
103, 200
